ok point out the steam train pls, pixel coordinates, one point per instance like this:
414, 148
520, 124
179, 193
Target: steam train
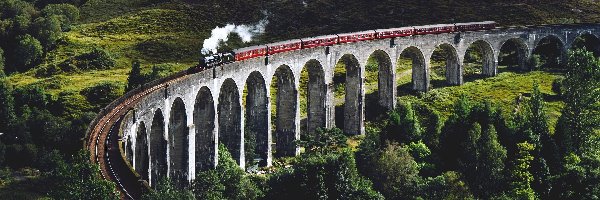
329, 40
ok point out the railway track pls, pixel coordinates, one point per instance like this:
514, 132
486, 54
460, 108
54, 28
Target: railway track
102, 139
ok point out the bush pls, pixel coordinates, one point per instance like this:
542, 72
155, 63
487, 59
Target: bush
557, 85
103, 93
67, 13
47, 30
97, 58
28, 53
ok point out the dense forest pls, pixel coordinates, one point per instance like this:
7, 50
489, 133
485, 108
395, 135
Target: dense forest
62, 61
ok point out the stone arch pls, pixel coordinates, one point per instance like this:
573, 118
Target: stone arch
158, 148
488, 57
256, 130
452, 71
551, 49
230, 119
513, 52
353, 111
178, 142
204, 122
385, 78
588, 41
286, 98
315, 90
420, 78
141, 161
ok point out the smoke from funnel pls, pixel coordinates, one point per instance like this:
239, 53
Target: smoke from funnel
246, 32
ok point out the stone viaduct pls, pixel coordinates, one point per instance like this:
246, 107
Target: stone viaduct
174, 131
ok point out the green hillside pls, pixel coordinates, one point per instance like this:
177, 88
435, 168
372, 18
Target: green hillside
172, 33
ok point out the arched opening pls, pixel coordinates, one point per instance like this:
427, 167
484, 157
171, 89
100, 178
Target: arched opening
313, 92
348, 92
178, 143
589, 42
256, 138
129, 149
445, 68
204, 121
284, 98
230, 119
410, 74
479, 61
512, 55
549, 53
379, 85
158, 148
141, 151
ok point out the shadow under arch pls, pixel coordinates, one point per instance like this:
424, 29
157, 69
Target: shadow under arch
419, 80
385, 78
353, 109
158, 149
178, 143
587, 41
551, 51
141, 161
313, 92
450, 72
284, 98
513, 53
204, 122
230, 114
479, 55
256, 126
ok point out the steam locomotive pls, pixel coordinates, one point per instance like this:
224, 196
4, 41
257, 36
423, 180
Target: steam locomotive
329, 40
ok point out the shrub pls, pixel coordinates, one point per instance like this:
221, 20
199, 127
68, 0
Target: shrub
103, 93
28, 52
97, 58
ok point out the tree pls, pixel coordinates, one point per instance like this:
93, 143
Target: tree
103, 93
325, 140
7, 103
78, 179
404, 126
449, 185
28, 52
226, 181
166, 190
2, 63
67, 13
47, 30
577, 129
322, 176
396, 173
520, 176
97, 59
581, 115
135, 78
490, 164
454, 134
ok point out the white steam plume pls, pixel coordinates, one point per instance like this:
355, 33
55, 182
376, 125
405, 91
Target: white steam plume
246, 32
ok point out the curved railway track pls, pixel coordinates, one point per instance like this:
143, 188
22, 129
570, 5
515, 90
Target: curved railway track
102, 139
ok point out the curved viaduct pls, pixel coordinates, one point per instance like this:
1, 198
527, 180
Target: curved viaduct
171, 128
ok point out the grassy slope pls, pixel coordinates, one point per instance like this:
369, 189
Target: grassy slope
172, 33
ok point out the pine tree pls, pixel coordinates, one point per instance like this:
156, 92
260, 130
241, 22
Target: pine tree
581, 114
453, 133
521, 178
490, 164
135, 78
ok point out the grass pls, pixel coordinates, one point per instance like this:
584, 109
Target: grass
501, 90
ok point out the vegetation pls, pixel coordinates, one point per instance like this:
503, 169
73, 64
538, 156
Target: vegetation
526, 135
